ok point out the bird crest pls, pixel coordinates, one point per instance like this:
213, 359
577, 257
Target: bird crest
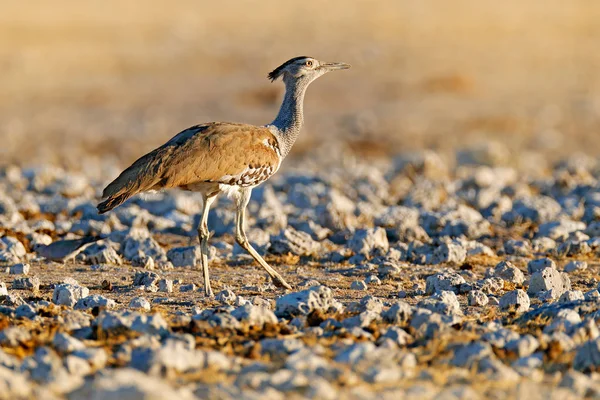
276, 73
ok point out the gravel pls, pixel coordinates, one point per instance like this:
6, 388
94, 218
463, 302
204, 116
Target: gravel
405, 275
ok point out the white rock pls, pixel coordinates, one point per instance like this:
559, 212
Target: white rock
446, 280
398, 313
540, 264
19, 269
575, 266
549, 279
68, 294
165, 285
184, 256
302, 303
397, 335
226, 297
508, 272
64, 343
14, 385
358, 285
524, 346
372, 280
515, 301
452, 253
103, 254
13, 336
12, 246
466, 356
560, 230
127, 383
138, 243
577, 382
369, 242
571, 295
95, 300
587, 357
188, 288
444, 302
254, 315
140, 303
295, 242
477, 298
153, 325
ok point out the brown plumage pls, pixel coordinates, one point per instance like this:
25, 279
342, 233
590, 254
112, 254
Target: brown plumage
220, 153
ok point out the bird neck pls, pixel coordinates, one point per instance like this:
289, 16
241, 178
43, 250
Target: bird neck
291, 114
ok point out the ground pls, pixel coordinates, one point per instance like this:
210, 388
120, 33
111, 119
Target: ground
462, 141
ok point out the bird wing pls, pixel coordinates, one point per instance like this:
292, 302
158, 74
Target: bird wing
235, 154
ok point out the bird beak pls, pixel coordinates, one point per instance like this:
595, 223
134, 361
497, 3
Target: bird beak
334, 66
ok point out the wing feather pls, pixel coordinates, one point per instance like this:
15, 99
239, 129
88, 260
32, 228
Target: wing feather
203, 153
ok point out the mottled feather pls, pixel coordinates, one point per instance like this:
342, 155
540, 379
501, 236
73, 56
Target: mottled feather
223, 153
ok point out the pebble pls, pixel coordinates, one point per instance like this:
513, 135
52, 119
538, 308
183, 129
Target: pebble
165, 285
358, 285
291, 241
13, 336
515, 301
444, 302
509, 273
447, 280
27, 283
184, 256
19, 269
466, 356
575, 266
68, 294
549, 279
306, 343
449, 253
369, 242
188, 288
254, 315
571, 295
477, 298
302, 303
587, 356
95, 301
399, 313
537, 265
140, 303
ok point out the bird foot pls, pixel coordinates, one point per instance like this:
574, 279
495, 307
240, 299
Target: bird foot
209, 293
279, 282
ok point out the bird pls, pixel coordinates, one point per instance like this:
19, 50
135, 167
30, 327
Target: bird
224, 157
64, 250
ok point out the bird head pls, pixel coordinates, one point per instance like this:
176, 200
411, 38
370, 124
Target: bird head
304, 69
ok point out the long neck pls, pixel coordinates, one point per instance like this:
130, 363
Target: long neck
291, 115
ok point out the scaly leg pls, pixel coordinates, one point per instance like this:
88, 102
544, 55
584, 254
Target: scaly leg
240, 237
203, 235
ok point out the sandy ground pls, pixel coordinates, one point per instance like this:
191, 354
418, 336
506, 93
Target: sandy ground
111, 79
90, 86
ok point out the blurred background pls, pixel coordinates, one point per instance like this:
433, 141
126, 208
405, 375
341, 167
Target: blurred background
108, 80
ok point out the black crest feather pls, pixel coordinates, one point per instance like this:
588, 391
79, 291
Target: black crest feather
276, 73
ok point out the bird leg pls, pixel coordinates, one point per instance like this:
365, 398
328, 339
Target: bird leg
203, 235
240, 236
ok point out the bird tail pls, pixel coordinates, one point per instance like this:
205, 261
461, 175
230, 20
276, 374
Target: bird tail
112, 202
135, 179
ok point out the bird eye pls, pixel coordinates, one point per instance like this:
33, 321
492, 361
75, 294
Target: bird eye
309, 63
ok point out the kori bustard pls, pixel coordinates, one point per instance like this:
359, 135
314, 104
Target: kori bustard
223, 157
